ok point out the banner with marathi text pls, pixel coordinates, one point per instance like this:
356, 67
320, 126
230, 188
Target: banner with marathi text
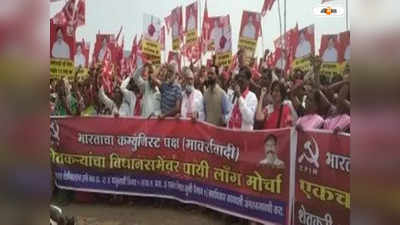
151, 46
191, 23
250, 30
322, 179
330, 51
223, 42
176, 27
194, 163
304, 47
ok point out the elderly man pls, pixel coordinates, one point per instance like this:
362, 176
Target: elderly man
151, 94
171, 93
330, 54
304, 46
60, 48
123, 100
79, 58
249, 30
192, 101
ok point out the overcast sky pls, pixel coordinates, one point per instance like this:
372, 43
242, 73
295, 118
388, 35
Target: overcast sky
107, 16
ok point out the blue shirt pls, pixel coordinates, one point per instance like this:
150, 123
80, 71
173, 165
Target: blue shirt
170, 94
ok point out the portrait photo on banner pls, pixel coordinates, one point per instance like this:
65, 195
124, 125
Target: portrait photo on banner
305, 42
330, 48
251, 25
271, 150
176, 22
191, 17
223, 35
81, 57
62, 42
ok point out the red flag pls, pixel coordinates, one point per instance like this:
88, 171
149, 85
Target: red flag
191, 17
176, 23
290, 38
134, 46
66, 13
107, 71
204, 32
168, 22
119, 33
267, 6
162, 38
80, 13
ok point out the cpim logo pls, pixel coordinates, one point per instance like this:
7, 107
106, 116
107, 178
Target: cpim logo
329, 11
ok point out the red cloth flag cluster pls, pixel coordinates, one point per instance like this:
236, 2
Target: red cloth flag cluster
267, 6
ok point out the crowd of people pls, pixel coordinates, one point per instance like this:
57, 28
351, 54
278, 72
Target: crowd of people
242, 97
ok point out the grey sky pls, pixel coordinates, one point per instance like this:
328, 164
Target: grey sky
107, 16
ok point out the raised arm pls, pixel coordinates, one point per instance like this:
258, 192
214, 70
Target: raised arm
138, 78
105, 99
124, 85
260, 116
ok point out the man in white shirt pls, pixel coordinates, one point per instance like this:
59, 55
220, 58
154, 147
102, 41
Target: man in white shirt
271, 153
245, 103
102, 51
249, 30
192, 100
330, 54
79, 59
123, 101
151, 94
191, 25
60, 48
304, 47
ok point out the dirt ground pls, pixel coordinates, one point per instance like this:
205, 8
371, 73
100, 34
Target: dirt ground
165, 212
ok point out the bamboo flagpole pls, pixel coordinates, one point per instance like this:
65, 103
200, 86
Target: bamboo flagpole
280, 27
347, 14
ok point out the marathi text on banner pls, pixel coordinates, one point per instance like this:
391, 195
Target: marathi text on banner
322, 179
151, 48
191, 37
186, 165
303, 64
155, 60
248, 44
331, 69
224, 58
60, 68
176, 43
